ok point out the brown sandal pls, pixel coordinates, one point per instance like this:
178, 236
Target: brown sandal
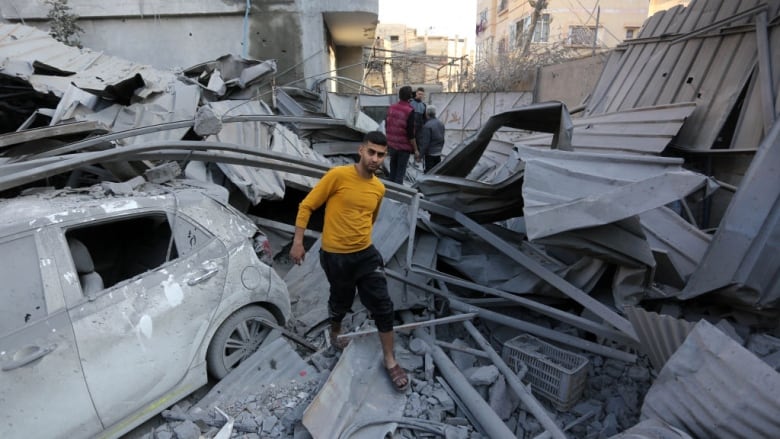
397, 376
336, 343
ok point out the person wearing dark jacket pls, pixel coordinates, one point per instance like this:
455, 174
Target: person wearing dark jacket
431, 139
399, 128
419, 113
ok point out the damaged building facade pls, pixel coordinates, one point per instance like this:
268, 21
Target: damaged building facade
607, 274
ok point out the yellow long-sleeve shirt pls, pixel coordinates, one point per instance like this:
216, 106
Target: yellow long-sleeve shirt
352, 207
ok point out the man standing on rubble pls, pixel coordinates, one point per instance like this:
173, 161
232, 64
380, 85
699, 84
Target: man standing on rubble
352, 195
399, 126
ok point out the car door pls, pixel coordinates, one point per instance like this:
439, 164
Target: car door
42, 387
138, 338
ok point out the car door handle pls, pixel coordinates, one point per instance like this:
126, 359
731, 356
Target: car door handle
203, 277
36, 353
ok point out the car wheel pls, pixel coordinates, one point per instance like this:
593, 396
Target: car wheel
236, 339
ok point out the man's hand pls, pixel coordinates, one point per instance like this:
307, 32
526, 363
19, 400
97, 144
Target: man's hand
416, 155
297, 253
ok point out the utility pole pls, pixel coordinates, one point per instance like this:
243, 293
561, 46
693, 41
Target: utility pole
596, 32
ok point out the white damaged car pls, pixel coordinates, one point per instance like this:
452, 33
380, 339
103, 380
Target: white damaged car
116, 306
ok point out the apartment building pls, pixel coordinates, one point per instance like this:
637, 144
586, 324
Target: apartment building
583, 25
413, 59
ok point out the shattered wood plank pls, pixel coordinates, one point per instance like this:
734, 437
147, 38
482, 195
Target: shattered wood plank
407, 326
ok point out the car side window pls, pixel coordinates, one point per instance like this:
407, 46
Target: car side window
108, 252
22, 288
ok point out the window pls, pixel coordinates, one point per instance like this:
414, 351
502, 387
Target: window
22, 293
394, 38
542, 31
482, 22
631, 32
582, 35
502, 46
127, 247
502, 5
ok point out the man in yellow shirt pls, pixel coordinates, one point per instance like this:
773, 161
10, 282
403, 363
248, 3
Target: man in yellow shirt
352, 195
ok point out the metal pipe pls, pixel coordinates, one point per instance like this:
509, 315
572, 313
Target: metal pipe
543, 332
530, 328
525, 395
486, 416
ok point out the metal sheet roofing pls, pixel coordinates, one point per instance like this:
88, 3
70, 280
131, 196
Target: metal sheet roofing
713, 387
21, 46
707, 53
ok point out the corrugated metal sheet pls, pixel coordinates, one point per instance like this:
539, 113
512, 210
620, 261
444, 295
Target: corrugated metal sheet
744, 250
659, 335
682, 243
641, 130
566, 190
256, 183
694, 54
20, 46
714, 388
357, 391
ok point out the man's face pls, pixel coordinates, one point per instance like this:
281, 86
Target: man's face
419, 95
372, 156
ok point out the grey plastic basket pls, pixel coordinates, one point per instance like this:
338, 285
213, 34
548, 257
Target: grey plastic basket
554, 373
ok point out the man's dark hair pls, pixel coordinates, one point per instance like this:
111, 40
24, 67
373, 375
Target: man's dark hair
421, 89
375, 137
405, 93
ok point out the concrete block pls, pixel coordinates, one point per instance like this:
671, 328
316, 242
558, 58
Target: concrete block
187, 430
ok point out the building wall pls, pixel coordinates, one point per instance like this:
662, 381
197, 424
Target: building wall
570, 82
662, 5
500, 23
434, 60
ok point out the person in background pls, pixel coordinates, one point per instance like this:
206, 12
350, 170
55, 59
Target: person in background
419, 113
431, 139
399, 127
352, 195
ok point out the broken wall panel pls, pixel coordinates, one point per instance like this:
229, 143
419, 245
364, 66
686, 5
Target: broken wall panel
709, 62
713, 387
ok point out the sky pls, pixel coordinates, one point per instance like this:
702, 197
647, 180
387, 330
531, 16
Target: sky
441, 17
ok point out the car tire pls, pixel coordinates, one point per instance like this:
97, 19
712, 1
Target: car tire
237, 338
